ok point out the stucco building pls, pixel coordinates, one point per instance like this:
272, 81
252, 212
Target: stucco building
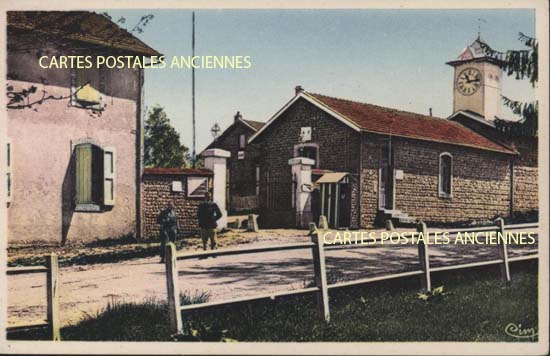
359, 164
75, 138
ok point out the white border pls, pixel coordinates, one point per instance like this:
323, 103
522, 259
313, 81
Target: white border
389, 348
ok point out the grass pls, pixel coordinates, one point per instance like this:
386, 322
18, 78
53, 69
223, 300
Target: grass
476, 306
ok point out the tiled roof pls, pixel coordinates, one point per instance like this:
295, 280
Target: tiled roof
177, 171
82, 26
478, 50
378, 119
255, 124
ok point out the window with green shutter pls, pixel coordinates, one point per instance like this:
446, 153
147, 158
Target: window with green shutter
94, 176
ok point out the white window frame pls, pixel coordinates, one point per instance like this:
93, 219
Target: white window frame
9, 175
443, 194
311, 145
257, 180
109, 175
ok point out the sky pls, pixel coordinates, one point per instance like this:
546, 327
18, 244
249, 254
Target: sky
393, 58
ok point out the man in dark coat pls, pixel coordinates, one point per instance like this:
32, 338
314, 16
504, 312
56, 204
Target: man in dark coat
168, 222
209, 213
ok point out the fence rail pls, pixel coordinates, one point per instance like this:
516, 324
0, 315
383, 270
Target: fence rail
321, 288
52, 315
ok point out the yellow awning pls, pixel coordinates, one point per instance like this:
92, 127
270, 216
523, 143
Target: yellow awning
331, 177
88, 94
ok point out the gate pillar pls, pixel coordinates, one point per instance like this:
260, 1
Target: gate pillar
215, 159
301, 173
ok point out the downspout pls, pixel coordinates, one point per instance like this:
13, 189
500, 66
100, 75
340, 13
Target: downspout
511, 206
139, 151
360, 188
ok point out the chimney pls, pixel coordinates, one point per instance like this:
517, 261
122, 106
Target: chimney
298, 89
430, 111
238, 116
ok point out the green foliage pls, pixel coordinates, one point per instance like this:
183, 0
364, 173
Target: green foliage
523, 64
162, 142
187, 298
434, 293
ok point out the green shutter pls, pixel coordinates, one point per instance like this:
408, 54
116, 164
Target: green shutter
83, 155
109, 176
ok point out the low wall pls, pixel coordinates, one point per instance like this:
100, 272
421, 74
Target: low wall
158, 190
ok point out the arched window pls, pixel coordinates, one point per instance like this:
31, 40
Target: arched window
445, 175
94, 176
308, 150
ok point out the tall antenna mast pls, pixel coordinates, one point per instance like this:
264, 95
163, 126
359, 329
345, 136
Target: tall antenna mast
193, 91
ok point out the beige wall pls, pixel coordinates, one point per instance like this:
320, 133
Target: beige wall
43, 178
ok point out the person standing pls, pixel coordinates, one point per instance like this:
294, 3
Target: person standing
208, 215
168, 222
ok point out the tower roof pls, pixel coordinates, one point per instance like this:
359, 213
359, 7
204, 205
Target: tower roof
477, 51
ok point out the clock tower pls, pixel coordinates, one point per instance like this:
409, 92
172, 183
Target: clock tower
477, 84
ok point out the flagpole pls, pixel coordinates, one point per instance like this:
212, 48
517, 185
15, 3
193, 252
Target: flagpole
193, 90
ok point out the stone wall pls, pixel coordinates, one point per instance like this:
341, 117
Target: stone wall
525, 164
526, 175
480, 182
338, 151
157, 193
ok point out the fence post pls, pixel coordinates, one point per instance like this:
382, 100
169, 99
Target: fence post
323, 223
424, 258
53, 297
252, 225
503, 252
312, 228
176, 325
320, 271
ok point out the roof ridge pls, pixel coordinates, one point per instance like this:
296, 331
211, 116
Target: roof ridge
379, 106
260, 122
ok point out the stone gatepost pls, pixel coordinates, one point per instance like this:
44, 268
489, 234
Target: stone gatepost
215, 159
301, 171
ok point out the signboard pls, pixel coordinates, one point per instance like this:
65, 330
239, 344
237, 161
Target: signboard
197, 187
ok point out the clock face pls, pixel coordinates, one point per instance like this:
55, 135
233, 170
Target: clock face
468, 81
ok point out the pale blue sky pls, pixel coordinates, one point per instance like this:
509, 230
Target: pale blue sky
393, 58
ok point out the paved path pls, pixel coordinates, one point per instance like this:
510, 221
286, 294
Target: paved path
86, 289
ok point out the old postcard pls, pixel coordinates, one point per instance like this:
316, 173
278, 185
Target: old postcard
274, 178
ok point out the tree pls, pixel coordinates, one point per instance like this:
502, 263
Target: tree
523, 64
162, 142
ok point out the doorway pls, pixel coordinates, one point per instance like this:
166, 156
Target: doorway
386, 177
335, 199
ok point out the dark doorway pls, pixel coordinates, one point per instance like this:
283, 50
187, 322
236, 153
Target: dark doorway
344, 214
386, 179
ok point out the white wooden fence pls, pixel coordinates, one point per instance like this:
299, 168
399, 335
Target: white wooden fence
321, 288
52, 320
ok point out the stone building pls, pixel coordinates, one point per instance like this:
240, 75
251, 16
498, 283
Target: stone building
243, 167
183, 187
360, 164
74, 141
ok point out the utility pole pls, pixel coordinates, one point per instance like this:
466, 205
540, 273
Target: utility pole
193, 90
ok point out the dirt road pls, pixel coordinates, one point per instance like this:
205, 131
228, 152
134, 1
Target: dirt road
85, 290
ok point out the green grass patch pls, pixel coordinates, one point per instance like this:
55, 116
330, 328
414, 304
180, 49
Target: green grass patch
474, 305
